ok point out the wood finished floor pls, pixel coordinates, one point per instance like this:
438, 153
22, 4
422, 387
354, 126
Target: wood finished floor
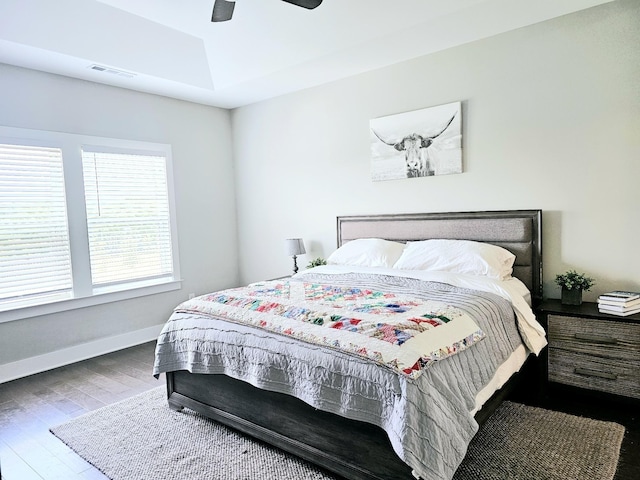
30, 406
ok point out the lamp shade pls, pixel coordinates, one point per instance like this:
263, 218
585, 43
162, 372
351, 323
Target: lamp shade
295, 246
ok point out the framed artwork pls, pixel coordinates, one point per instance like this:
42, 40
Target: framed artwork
421, 143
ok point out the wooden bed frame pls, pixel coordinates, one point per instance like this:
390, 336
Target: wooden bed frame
352, 449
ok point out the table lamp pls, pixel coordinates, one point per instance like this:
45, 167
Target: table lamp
295, 247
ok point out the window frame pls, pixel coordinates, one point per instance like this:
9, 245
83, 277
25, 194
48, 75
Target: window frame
83, 293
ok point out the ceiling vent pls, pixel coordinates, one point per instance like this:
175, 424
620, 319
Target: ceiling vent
112, 71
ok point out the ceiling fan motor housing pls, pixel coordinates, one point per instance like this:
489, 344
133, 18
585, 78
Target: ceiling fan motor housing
223, 9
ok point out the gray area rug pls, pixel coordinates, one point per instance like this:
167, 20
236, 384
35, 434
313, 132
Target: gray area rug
141, 438
527, 443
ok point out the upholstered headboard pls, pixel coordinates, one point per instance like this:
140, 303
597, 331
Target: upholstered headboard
519, 231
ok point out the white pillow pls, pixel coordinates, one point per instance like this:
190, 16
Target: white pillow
459, 256
367, 252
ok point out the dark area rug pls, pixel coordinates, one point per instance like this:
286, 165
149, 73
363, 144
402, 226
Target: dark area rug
141, 438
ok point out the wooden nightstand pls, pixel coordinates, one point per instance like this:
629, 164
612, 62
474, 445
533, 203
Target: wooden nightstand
279, 278
592, 350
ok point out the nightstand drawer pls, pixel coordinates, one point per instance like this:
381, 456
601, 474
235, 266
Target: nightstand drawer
621, 377
593, 337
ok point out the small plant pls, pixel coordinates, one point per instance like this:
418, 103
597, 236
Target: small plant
317, 262
573, 280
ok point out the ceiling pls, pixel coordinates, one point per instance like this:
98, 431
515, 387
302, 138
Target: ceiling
268, 48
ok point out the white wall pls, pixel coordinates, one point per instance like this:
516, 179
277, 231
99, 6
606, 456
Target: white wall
201, 145
551, 120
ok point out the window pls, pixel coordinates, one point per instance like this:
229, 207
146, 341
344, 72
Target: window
127, 216
85, 220
34, 240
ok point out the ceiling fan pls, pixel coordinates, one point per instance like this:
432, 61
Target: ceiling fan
223, 9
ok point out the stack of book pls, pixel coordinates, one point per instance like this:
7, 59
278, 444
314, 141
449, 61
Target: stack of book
619, 302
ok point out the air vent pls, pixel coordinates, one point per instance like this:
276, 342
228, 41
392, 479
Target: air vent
112, 71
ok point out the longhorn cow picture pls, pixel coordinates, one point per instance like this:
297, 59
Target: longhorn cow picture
421, 143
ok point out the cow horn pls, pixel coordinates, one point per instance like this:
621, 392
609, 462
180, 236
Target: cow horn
442, 131
397, 145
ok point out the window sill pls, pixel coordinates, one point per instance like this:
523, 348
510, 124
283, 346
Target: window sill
98, 298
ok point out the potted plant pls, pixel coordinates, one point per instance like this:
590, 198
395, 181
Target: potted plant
572, 284
317, 262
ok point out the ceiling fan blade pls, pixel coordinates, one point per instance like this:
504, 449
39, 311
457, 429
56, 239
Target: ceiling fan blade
310, 4
222, 10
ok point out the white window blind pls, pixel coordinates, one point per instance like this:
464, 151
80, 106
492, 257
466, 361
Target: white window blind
128, 218
34, 239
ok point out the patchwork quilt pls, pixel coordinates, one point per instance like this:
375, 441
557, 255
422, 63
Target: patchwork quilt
397, 330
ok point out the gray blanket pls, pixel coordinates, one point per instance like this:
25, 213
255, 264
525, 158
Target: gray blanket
427, 419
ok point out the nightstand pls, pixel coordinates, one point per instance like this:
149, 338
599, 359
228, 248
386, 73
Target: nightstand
279, 278
592, 350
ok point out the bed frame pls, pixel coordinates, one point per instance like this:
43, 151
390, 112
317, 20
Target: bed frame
357, 450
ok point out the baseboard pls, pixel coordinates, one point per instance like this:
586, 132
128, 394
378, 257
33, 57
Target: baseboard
59, 358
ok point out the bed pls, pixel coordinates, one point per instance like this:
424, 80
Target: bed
355, 411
